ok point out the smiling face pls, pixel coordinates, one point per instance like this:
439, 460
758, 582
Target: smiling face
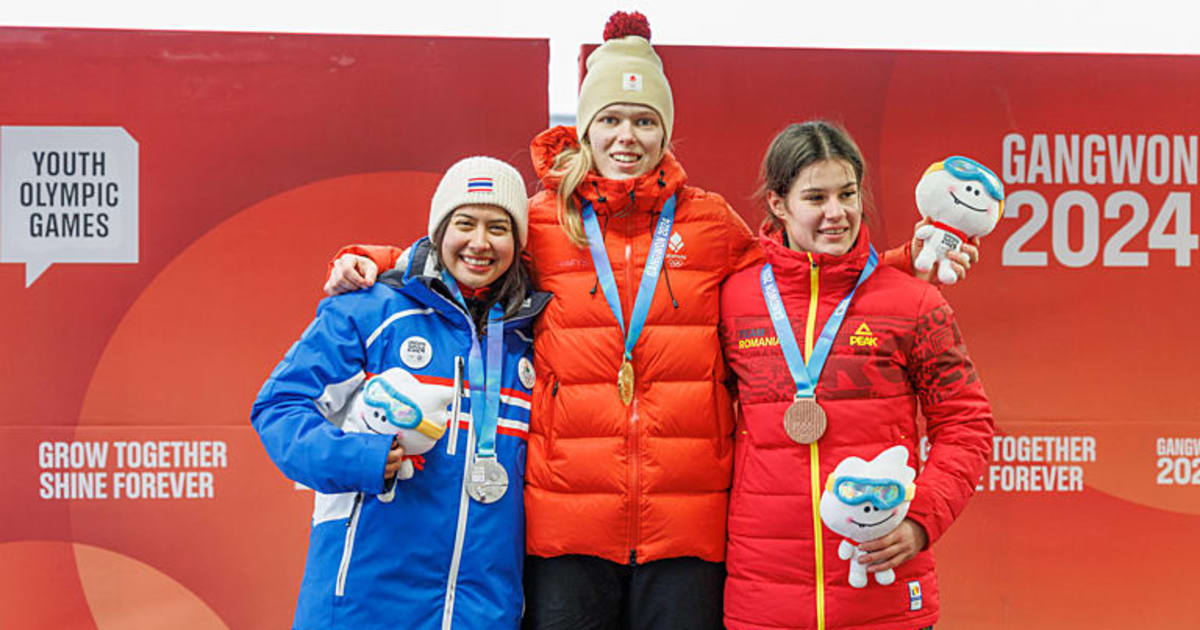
961, 203
822, 211
626, 140
478, 244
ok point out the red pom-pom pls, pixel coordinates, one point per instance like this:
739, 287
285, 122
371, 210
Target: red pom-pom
621, 24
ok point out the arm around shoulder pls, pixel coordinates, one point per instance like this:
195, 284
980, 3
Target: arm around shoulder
899, 257
356, 267
383, 255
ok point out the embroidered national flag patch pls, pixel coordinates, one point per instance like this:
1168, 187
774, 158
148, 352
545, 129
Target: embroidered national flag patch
479, 184
631, 82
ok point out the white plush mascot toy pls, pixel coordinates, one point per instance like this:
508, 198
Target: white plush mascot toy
963, 198
866, 500
396, 403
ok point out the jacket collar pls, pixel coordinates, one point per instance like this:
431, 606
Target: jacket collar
837, 272
645, 193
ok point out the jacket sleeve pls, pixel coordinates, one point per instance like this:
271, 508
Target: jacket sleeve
958, 415
899, 257
384, 256
322, 368
743, 246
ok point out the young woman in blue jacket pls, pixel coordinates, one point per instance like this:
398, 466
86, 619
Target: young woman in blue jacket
438, 349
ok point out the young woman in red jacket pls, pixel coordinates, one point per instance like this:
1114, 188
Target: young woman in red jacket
895, 350
631, 431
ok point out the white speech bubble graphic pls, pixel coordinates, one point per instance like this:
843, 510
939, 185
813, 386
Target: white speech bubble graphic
67, 195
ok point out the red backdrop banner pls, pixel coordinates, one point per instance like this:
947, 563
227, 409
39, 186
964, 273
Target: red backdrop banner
136, 493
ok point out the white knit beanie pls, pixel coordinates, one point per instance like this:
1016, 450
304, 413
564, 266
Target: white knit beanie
625, 69
481, 180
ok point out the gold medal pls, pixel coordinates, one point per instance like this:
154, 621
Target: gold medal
625, 382
805, 421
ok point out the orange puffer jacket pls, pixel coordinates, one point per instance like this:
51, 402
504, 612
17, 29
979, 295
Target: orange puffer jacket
649, 480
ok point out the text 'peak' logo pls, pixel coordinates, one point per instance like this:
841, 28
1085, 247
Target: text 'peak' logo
864, 337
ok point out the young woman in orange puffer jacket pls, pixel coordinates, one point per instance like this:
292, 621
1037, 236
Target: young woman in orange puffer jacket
627, 486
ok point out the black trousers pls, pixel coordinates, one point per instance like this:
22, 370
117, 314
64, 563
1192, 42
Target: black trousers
589, 593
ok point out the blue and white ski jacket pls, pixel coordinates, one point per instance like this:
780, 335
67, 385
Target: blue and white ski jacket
431, 558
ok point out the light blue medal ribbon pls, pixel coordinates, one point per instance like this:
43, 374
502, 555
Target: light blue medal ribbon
485, 393
485, 389
645, 294
806, 375
487, 480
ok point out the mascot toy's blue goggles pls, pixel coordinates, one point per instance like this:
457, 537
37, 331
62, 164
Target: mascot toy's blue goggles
968, 169
884, 494
399, 410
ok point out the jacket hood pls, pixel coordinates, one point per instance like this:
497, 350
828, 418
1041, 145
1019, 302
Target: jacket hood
419, 266
647, 191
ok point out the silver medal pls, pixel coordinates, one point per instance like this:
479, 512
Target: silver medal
487, 481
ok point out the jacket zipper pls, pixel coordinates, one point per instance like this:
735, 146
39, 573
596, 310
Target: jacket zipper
456, 408
632, 410
460, 532
348, 547
464, 504
814, 453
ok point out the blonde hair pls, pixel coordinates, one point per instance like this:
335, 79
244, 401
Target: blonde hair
571, 166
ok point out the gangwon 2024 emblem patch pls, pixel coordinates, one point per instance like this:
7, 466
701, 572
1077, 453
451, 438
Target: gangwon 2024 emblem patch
416, 352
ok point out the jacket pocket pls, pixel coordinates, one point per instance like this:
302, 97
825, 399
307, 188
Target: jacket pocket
541, 417
740, 444
339, 589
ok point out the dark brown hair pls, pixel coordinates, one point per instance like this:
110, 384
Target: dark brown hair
798, 146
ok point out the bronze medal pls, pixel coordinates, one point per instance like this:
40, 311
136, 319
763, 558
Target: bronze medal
805, 421
625, 382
